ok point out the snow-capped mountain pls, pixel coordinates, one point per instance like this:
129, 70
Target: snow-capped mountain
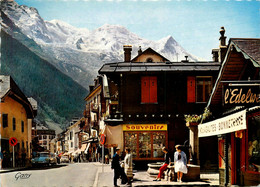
79, 52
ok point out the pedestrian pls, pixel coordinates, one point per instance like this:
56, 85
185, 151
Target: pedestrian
128, 165
106, 156
1, 159
180, 163
167, 161
118, 171
23, 158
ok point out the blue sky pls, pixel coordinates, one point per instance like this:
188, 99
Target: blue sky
194, 24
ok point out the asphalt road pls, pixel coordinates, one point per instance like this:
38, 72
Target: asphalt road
77, 174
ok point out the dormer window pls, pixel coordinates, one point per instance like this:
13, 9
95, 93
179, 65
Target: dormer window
149, 60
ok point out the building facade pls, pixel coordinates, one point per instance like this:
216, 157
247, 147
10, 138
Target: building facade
234, 104
16, 117
149, 97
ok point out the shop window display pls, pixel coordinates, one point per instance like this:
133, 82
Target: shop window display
158, 143
144, 145
254, 145
131, 141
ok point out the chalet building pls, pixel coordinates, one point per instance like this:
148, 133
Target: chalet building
60, 143
44, 136
16, 115
95, 111
72, 137
235, 107
149, 97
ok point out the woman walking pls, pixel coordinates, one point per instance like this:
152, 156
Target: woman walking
167, 161
180, 163
128, 161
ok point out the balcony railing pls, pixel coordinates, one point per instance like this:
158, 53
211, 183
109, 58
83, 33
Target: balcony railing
94, 107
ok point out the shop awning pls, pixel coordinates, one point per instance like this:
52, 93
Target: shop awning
83, 147
93, 140
86, 150
67, 153
228, 124
78, 151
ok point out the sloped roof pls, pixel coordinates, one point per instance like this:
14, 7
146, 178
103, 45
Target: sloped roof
250, 50
149, 50
250, 47
8, 86
159, 67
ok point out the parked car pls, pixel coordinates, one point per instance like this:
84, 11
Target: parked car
44, 158
64, 159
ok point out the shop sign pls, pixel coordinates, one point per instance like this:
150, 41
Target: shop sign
240, 96
145, 127
228, 124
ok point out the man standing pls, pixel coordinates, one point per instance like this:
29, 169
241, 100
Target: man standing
118, 171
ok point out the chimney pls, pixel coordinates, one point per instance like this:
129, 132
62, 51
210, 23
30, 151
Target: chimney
140, 50
186, 59
222, 45
127, 52
215, 54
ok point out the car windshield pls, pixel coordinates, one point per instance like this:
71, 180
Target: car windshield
44, 154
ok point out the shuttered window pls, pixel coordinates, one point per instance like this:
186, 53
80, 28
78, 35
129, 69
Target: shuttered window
198, 89
5, 120
191, 89
149, 89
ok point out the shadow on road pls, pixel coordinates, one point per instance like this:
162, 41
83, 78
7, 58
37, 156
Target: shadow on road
39, 167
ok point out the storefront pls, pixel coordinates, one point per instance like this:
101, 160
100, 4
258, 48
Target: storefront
145, 140
238, 146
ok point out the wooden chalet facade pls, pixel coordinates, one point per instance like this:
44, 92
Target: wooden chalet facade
235, 105
149, 97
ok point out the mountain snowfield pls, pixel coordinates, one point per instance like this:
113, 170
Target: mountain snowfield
79, 52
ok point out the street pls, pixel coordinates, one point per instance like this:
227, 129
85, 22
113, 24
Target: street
77, 174
90, 174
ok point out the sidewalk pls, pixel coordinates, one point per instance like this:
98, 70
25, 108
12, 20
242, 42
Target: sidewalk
5, 170
141, 178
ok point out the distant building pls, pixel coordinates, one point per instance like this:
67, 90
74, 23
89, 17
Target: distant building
16, 115
72, 137
45, 136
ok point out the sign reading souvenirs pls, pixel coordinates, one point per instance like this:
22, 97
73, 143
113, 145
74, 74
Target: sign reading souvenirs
241, 95
145, 127
231, 123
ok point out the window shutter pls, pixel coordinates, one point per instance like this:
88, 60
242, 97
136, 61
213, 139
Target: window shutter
145, 90
153, 89
191, 89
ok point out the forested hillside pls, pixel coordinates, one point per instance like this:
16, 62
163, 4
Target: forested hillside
59, 97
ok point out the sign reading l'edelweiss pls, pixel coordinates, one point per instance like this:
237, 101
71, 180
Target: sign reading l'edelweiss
241, 96
223, 125
145, 127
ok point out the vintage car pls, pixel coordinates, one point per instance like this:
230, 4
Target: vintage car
44, 158
64, 159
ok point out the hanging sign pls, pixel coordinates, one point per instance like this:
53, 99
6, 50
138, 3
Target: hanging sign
228, 124
241, 95
13, 141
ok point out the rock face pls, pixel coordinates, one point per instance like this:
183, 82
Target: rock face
79, 53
